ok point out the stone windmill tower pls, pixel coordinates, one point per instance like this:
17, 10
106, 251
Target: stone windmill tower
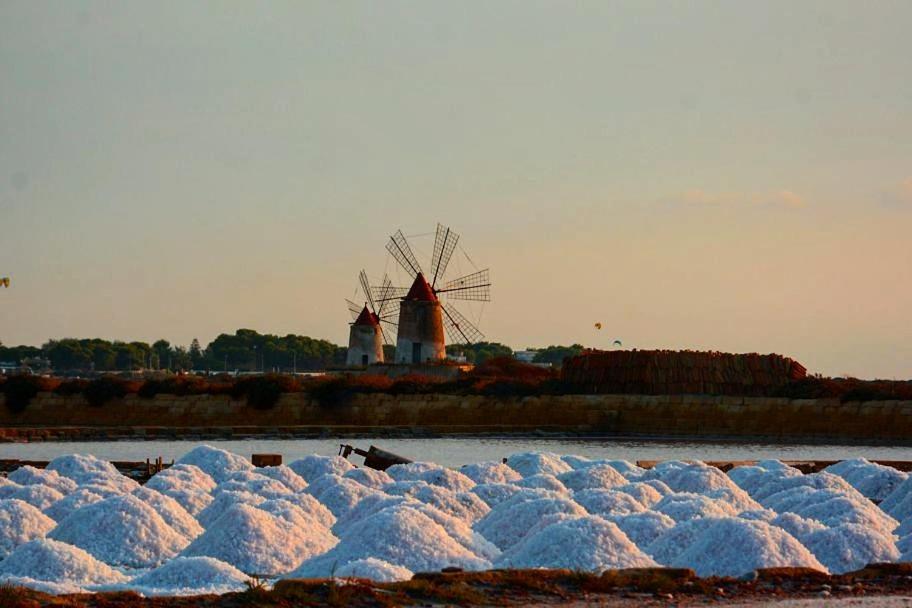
367, 336
424, 316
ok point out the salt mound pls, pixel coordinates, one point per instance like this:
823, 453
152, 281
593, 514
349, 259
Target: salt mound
370, 478
257, 542
106, 484
190, 576
850, 547
463, 505
511, 520
686, 506
587, 543
298, 516
698, 478
260, 485
817, 481
670, 544
842, 510
535, 463
310, 505
760, 514
490, 472
315, 466
659, 486
338, 494
411, 471
874, 481
448, 479
642, 492
375, 570
170, 510
121, 531
608, 502
494, 493
737, 498
629, 470
285, 475
644, 528
399, 535
543, 481
733, 547
216, 463
56, 562
179, 474
898, 503
76, 466
20, 522
797, 526
30, 476
366, 508
7, 487
599, 476
66, 505
225, 501
577, 462
40, 497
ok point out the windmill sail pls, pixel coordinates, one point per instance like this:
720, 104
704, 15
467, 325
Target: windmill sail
475, 287
354, 309
399, 248
444, 245
459, 329
365, 287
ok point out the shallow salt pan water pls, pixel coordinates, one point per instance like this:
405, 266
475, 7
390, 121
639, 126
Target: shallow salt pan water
454, 452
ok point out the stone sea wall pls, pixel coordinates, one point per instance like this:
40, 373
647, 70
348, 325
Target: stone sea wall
296, 413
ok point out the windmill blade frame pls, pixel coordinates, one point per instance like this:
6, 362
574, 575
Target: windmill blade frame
365, 287
474, 287
458, 326
401, 251
445, 241
353, 308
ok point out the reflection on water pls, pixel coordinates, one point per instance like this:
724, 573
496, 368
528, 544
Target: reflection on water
455, 452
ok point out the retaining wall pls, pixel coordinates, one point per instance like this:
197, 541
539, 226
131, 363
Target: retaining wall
664, 415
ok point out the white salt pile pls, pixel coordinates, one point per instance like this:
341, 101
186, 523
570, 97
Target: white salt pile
734, 547
369, 477
216, 463
874, 481
849, 547
601, 477
121, 531
374, 569
29, 475
66, 505
644, 528
534, 463
287, 476
490, 472
257, 542
686, 506
187, 484
399, 535
170, 510
315, 466
77, 466
608, 502
644, 493
339, 494
898, 503
543, 481
190, 576
511, 520
587, 543
256, 484
56, 562
495, 493
225, 501
462, 505
39, 496
20, 522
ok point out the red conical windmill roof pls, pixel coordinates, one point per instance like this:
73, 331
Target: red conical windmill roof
421, 290
367, 318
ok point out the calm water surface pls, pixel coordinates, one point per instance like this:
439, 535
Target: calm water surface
456, 452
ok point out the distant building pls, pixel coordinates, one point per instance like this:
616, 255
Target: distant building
526, 356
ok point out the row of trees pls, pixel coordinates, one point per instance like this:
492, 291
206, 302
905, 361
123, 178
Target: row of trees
246, 349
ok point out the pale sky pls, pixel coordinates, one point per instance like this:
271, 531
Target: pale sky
708, 175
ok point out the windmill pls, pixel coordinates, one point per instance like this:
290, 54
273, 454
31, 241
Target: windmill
372, 323
424, 313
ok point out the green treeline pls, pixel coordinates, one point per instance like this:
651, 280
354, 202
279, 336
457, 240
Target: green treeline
245, 350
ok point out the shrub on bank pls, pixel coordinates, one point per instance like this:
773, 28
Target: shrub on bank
21, 389
263, 392
107, 388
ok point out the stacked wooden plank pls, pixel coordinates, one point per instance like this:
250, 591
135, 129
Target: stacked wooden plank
664, 372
